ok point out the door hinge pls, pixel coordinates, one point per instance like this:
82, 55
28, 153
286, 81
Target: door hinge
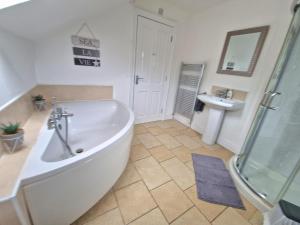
161, 110
171, 39
166, 78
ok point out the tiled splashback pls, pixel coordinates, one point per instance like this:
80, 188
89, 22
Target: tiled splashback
18, 111
21, 109
237, 94
72, 92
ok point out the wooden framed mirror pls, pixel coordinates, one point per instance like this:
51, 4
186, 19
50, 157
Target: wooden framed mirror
241, 51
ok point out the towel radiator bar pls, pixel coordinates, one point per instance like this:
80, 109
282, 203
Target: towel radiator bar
188, 89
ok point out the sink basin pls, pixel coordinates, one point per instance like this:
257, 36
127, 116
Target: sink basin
217, 107
221, 103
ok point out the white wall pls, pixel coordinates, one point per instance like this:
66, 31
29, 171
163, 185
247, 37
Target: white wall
54, 59
201, 39
17, 73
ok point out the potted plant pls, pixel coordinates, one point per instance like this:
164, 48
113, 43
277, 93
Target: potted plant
39, 102
11, 136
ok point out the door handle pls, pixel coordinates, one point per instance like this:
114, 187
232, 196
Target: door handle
137, 78
272, 108
273, 94
267, 100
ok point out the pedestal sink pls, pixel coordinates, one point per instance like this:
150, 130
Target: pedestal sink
217, 107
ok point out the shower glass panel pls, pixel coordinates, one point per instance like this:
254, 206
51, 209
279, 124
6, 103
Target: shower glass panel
271, 157
292, 195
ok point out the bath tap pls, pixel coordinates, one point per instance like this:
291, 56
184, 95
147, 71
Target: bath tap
56, 116
59, 113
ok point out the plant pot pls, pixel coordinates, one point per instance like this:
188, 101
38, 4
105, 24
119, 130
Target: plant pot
40, 105
12, 142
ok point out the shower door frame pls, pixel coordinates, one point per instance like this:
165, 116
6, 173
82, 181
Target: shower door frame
264, 106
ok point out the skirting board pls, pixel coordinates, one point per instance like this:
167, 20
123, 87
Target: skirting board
168, 117
182, 119
235, 148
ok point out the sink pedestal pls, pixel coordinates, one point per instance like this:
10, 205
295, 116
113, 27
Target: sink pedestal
214, 123
217, 107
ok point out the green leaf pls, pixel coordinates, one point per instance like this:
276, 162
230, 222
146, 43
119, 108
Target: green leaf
10, 128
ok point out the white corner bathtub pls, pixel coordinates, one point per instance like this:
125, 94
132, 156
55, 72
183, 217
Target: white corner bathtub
58, 187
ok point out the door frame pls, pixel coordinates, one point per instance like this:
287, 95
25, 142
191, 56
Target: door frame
156, 18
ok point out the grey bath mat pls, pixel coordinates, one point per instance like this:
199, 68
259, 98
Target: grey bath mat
214, 183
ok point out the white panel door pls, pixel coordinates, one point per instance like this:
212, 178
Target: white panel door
153, 56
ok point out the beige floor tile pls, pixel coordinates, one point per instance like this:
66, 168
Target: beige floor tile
190, 132
188, 141
155, 217
135, 141
189, 164
108, 202
161, 153
230, 217
209, 210
198, 139
151, 124
140, 129
220, 153
148, 140
177, 125
182, 175
191, 217
138, 152
134, 201
151, 172
112, 217
166, 124
129, 176
212, 147
168, 141
257, 218
182, 153
173, 132
156, 130
250, 209
171, 200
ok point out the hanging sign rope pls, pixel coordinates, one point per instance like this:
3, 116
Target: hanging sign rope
86, 47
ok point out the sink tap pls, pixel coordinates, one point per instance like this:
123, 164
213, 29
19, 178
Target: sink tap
222, 93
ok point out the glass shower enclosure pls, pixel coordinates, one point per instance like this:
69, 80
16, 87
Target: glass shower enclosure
270, 160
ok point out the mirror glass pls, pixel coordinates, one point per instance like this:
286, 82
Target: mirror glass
241, 51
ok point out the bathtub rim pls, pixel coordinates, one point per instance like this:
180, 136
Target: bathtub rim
29, 175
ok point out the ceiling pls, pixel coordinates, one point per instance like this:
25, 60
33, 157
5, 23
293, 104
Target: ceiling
37, 18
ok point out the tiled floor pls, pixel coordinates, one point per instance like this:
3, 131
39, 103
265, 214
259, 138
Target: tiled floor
158, 185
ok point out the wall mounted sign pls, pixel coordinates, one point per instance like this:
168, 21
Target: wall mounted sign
87, 62
87, 47
85, 42
86, 52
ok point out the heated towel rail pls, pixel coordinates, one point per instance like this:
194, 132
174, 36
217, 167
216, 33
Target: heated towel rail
188, 88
